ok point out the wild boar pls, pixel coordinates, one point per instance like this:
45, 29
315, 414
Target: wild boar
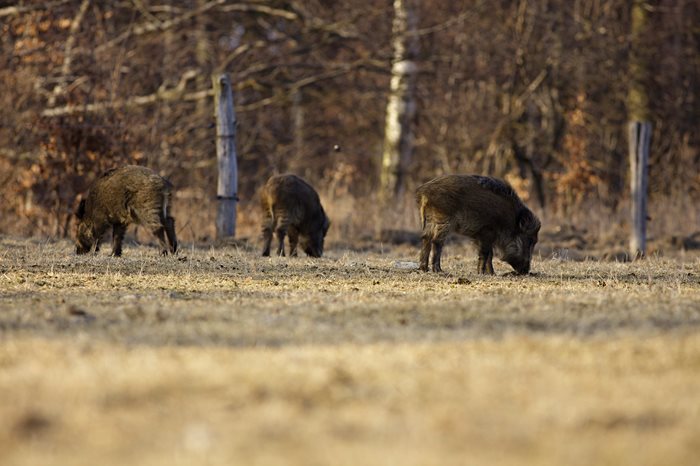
291, 206
485, 209
120, 197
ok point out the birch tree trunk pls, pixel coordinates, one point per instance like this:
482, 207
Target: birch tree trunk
398, 139
639, 128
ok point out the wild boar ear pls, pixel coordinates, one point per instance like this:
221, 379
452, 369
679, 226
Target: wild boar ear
80, 213
528, 223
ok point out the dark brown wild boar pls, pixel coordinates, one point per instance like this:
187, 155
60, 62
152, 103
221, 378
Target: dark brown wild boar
292, 207
485, 209
120, 197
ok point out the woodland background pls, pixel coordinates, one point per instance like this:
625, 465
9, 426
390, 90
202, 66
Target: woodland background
535, 91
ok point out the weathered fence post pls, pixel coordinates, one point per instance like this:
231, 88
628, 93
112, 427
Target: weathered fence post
639, 128
227, 187
639, 138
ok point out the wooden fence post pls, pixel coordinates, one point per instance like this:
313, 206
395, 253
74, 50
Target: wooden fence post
227, 186
639, 138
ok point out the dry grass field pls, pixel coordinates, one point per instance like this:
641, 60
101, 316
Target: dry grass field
219, 356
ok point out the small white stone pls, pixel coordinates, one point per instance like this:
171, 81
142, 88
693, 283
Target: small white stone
406, 265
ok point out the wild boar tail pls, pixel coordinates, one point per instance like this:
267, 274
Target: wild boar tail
271, 210
422, 201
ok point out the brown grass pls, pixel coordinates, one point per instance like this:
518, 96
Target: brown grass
222, 357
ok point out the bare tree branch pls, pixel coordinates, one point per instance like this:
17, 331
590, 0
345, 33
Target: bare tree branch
132, 102
19, 9
163, 94
159, 26
313, 22
460, 18
155, 25
515, 110
251, 7
177, 93
68, 54
144, 11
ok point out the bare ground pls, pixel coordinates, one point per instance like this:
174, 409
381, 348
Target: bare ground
219, 356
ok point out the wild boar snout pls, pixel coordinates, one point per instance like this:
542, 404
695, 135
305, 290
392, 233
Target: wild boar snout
81, 248
518, 253
312, 245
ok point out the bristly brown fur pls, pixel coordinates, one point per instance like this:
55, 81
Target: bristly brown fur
292, 207
498, 186
120, 197
485, 209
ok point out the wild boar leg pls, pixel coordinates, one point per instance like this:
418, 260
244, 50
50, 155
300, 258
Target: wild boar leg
293, 241
281, 233
160, 234
438, 234
170, 234
154, 220
485, 259
437, 253
267, 240
489, 263
267, 237
99, 234
118, 230
425, 251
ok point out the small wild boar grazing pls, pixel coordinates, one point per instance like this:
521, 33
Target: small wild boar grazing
120, 197
485, 209
292, 207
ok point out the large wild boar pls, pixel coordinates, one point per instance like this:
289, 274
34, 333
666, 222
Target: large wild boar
292, 207
485, 209
120, 197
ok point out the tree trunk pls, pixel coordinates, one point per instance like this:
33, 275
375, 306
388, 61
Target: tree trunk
398, 140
